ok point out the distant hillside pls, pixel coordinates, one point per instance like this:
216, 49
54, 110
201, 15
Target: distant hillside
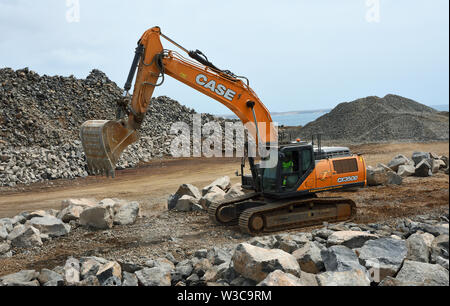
374, 119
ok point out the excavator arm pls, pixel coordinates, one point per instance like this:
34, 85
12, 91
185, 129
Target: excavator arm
104, 141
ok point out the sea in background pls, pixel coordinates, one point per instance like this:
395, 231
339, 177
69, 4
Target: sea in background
441, 108
297, 118
302, 118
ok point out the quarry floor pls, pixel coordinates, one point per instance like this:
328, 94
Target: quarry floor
160, 231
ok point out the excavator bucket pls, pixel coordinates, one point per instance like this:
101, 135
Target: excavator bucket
103, 143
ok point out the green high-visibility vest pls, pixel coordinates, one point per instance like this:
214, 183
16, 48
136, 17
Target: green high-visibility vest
288, 165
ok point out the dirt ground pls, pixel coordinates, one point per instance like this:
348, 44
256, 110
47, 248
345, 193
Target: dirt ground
160, 231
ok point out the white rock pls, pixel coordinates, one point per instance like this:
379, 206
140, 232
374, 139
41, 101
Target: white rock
127, 213
214, 195
344, 278
72, 271
51, 226
256, 263
186, 203
280, 278
97, 217
309, 258
190, 190
424, 273
25, 237
223, 183
234, 192
153, 277
71, 212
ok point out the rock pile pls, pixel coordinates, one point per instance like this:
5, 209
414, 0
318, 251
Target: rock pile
421, 164
31, 229
402, 252
374, 119
189, 198
40, 118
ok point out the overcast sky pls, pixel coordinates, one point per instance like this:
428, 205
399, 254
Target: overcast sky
298, 55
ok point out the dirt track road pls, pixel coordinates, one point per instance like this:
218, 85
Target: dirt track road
150, 185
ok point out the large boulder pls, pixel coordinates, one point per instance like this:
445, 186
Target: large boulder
4, 248
418, 247
183, 269
424, 273
256, 263
418, 157
129, 280
309, 258
376, 176
398, 161
344, 278
109, 272
214, 195
50, 278
20, 278
435, 230
3, 232
280, 278
153, 277
127, 213
25, 237
186, 203
406, 170
383, 256
190, 190
267, 242
394, 179
98, 217
172, 201
424, 169
340, 258
439, 248
436, 165
71, 212
90, 266
72, 271
235, 191
222, 182
351, 239
51, 226
290, 242
7, 224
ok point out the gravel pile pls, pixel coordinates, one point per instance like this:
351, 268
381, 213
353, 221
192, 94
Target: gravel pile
374, 119
40, 117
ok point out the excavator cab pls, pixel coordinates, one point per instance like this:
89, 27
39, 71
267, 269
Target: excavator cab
295, 163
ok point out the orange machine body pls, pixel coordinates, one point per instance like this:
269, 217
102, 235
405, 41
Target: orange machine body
329, 174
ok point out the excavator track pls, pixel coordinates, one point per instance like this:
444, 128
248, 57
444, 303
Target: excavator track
218, 215
284, 215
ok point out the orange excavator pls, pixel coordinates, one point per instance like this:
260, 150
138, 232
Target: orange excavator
283, 195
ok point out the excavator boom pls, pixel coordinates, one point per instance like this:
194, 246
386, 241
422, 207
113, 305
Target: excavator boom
104, 141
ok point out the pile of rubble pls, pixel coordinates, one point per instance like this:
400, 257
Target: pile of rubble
40, 118
402, 252
421, 164
189, 198
374, 119
32, 229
